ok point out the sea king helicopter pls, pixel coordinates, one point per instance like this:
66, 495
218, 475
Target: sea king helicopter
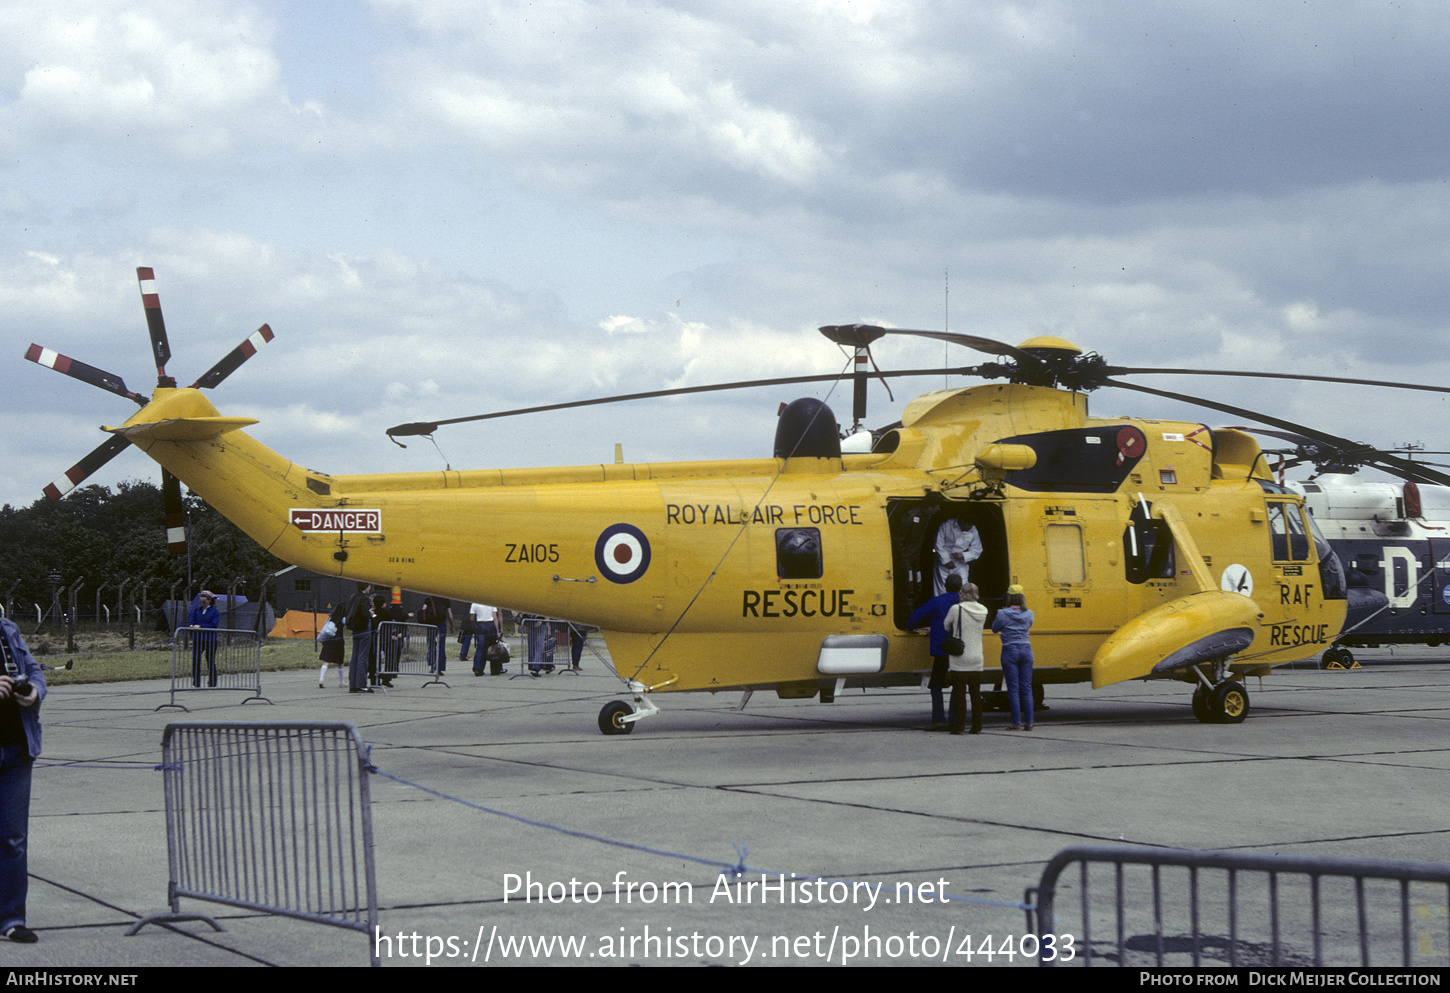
1147, 548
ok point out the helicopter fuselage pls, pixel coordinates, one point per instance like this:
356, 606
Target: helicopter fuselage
1144, 547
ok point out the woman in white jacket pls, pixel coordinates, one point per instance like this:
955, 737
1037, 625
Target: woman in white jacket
964, 622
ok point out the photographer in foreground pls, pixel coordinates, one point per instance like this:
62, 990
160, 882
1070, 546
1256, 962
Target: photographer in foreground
22, 687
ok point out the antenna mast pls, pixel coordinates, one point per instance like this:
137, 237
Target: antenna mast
946, 318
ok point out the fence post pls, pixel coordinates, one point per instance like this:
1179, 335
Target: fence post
172, 623
232, 603
70, 626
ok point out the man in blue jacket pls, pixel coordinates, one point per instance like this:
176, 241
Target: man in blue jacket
935, 612
22, 687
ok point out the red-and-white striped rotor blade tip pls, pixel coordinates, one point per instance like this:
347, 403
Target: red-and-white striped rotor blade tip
77, 473
234, 358
77, 369
175, 513
155, 325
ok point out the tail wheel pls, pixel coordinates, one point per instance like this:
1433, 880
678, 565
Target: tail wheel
1229, 703
612, 718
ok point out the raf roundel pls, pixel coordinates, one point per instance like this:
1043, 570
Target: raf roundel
622, 553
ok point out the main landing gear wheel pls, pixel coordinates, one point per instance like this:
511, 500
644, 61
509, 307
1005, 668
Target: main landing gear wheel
1228, 703
1338, 658
1200, 705
612, 718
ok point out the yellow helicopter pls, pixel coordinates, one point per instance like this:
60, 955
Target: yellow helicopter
1147, 548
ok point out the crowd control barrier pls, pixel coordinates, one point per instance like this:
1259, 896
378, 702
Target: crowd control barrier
547, 645
206, 659
1163, 907
405, 649
270, 817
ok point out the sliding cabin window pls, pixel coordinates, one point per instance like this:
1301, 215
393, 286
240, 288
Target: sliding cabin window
1066, 564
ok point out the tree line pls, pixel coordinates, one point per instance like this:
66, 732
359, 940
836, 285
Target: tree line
101, 538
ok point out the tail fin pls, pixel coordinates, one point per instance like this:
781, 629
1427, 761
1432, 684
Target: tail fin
182, 428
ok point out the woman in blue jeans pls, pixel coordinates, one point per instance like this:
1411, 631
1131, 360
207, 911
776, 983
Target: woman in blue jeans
1012, 623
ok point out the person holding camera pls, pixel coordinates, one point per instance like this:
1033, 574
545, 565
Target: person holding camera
22, 687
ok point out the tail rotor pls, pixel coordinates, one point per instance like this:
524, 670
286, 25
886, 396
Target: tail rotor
111, 383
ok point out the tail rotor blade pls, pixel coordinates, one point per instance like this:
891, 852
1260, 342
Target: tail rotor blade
77, 473
77, 369
234, 358
175, 513
160, 347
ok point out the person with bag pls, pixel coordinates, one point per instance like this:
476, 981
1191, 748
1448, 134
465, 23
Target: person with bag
964, 622
333, 650
934, 613
487, 628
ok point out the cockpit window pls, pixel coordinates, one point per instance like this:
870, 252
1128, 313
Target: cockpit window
1287, 534
1092, 460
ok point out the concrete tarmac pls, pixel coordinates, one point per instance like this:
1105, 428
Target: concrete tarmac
1346, 763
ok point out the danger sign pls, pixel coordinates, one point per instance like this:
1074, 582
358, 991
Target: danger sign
343, 519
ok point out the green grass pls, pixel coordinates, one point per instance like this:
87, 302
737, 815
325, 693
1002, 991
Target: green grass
105, 657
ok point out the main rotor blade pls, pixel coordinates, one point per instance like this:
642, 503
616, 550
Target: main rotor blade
428, 427
77, 369
1392, 464
1127, 371
234, 358
155, 325
77, 473
1289, 436
175, 513
840, 332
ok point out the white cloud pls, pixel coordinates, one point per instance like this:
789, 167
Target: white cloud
195, 80
444, 208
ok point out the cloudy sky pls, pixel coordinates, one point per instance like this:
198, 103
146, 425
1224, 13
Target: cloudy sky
446, 207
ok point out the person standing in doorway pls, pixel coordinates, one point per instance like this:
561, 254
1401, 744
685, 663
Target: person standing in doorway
956, 549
